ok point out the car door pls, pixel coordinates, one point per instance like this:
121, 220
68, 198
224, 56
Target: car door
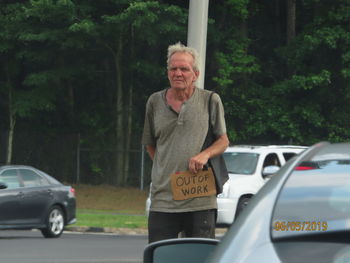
10, 197
36, 196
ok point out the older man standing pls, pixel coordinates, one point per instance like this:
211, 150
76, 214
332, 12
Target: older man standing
176, 125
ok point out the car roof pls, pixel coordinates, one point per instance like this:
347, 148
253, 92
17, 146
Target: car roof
265, 148
15, 166
335, 151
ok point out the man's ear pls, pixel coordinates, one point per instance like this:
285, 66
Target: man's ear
196, 73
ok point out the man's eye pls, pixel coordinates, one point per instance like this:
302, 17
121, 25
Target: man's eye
181, 69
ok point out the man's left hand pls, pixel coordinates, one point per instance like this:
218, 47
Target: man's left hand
197, 162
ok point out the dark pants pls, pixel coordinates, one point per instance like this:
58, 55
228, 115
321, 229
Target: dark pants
190, 224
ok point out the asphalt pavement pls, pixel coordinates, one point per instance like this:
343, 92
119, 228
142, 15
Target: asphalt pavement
72, 247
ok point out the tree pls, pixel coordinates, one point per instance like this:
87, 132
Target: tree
316, 57
116, 33
87, 68
285, 96
21, 101
235, 65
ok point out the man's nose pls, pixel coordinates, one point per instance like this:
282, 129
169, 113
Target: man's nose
178, 72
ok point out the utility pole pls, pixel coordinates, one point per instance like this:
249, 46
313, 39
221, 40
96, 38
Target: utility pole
197, 33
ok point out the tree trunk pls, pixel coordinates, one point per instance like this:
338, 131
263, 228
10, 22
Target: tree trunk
290, 20
120, 140
71, 102
290, 28
278, 21
12, 123
128, 137
243, 32
129, 111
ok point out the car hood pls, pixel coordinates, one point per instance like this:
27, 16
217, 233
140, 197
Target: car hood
240, 177
242, 183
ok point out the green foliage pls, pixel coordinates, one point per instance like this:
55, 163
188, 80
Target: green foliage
234, 62
286, 93
59, 70
239, 8
27, 103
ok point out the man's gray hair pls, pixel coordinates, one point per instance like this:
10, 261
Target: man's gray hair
178, 47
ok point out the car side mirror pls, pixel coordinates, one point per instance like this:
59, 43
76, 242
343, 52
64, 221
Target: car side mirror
269, 171
184, 250
3, 185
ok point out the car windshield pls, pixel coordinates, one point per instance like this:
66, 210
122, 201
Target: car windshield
241, 162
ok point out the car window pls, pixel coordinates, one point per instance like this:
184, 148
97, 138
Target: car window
50, 179
10, 178
287, 156
241, 163
315, 199
272, 159
31, 179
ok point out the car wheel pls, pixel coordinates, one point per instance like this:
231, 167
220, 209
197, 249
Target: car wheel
54, 223
242, 203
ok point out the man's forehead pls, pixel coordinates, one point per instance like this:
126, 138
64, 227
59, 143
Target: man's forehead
184, 56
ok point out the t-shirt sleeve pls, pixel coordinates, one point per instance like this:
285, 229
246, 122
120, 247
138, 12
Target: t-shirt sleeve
148, 128
217, 116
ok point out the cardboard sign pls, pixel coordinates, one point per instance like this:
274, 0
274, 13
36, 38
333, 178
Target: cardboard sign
186, 185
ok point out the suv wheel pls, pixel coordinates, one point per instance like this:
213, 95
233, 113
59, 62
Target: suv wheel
242, 203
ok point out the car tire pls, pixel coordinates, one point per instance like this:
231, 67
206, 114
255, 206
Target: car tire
54, 223
242, 203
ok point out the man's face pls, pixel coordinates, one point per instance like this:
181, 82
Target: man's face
180, 73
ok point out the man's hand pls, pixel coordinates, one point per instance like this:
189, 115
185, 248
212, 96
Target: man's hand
197, 162
151, 151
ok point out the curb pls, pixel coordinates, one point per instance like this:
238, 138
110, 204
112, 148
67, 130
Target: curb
117, 231
123, 231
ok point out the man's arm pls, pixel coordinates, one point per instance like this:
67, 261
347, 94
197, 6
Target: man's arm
197, 162
151, 149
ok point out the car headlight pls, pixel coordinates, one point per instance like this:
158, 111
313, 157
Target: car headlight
225, 191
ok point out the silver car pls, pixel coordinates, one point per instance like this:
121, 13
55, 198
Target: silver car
301, 215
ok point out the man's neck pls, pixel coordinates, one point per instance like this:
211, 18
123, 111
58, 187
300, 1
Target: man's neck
176, 97
181, 94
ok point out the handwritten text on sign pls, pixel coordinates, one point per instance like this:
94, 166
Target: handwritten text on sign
187, 185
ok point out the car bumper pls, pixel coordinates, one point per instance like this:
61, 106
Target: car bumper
226, 211
71, 217
72, 221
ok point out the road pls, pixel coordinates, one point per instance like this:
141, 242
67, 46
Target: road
31, 247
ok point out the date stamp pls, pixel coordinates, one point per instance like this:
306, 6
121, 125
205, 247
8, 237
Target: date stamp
300, 226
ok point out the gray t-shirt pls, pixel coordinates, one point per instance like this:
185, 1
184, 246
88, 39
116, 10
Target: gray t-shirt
178, 137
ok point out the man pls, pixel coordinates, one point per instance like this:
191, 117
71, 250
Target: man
176, 125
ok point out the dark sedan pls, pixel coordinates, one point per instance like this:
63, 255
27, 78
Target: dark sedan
31, 199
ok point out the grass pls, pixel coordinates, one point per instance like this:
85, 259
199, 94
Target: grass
111, 220
109, 206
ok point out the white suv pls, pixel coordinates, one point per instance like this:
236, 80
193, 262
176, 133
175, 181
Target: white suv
249, 169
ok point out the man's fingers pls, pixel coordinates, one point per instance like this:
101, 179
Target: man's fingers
195, 166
